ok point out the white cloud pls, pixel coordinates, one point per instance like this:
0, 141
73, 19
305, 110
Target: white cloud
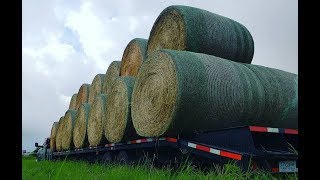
91, 31
42, 67
133, 24
59, 51
104, 34
65, 99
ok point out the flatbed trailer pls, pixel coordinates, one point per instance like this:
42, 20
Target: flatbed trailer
251, 147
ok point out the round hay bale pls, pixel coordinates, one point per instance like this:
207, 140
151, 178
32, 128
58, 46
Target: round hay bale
53, 134
133, 56
113, 72
96, 121
83, 95
73, 101
80, 137
180, 92
197, 30
118, 124
96, 87
67, 131
59, 134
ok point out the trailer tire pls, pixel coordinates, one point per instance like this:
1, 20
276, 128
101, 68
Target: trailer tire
107, 158
122, 158
91, 159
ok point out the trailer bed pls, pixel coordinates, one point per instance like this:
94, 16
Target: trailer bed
271, 149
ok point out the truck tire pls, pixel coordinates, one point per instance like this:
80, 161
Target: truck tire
122, 158
107, 158
91, 159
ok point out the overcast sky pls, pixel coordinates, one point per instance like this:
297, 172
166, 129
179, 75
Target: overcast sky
66, 43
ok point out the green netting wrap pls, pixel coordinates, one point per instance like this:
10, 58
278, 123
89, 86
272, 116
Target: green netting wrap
292, 110
133, 57
197, 30
180, 92
96, 121
83, 95
53, 134
112, 73
119, 125
67, 130
73, 101
80, 137
96, 87
59, 134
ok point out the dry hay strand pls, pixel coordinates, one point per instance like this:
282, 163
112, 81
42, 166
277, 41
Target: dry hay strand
197, 30
73, 101
83, 95
53, 134
59, 134
180, 92
96, 87
68, 124
113, 72
80, 137
96, 121
118, 126
133, 56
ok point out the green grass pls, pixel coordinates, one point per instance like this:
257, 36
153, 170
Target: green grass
82, 170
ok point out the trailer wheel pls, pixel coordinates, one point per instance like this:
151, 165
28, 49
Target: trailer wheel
184, 150
91, 159
122, 158
107, 158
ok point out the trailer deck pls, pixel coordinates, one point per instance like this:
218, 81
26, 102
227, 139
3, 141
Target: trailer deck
251, 147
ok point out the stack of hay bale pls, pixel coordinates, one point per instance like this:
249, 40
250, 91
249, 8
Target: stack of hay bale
193, 74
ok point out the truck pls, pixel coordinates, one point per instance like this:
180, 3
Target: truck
250, 147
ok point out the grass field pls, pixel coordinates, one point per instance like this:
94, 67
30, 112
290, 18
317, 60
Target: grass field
82, 170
